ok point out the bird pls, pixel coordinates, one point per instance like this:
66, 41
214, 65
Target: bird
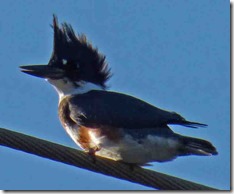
106, 123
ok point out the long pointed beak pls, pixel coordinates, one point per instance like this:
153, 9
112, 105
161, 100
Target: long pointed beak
43, 71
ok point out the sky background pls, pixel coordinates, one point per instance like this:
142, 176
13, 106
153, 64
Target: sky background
173, 54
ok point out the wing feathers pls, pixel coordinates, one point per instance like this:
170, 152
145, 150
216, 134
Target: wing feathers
119, 110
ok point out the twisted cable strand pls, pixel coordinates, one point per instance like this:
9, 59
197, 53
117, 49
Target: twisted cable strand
104, 166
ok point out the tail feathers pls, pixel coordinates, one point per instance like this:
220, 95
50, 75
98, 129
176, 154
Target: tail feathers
196, 146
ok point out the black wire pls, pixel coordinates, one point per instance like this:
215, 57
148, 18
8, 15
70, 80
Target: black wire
104, 166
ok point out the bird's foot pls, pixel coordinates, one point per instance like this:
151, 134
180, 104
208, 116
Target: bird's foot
132, 166
91, 153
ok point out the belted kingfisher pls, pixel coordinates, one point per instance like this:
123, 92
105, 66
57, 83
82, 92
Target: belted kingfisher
106, 123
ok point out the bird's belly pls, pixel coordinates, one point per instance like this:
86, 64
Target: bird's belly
126, 148
149, 149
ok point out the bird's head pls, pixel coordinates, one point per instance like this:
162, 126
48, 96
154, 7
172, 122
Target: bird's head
75, 66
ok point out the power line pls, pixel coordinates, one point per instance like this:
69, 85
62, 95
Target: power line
104, 166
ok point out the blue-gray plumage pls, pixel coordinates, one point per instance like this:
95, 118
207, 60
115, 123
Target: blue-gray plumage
121, 110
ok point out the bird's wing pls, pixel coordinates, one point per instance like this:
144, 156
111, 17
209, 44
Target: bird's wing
119, 110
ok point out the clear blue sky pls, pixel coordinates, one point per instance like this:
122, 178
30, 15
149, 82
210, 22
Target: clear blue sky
173, 54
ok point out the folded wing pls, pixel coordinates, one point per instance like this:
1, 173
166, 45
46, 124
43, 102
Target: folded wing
119, 110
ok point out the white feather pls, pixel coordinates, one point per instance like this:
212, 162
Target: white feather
152, 148
65, 87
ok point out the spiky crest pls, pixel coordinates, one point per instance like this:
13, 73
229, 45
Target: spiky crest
77, 55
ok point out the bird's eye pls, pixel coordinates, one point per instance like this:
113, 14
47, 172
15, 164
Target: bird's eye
65, 81
64, 61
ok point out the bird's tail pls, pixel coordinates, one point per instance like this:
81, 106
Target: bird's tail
195, 146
